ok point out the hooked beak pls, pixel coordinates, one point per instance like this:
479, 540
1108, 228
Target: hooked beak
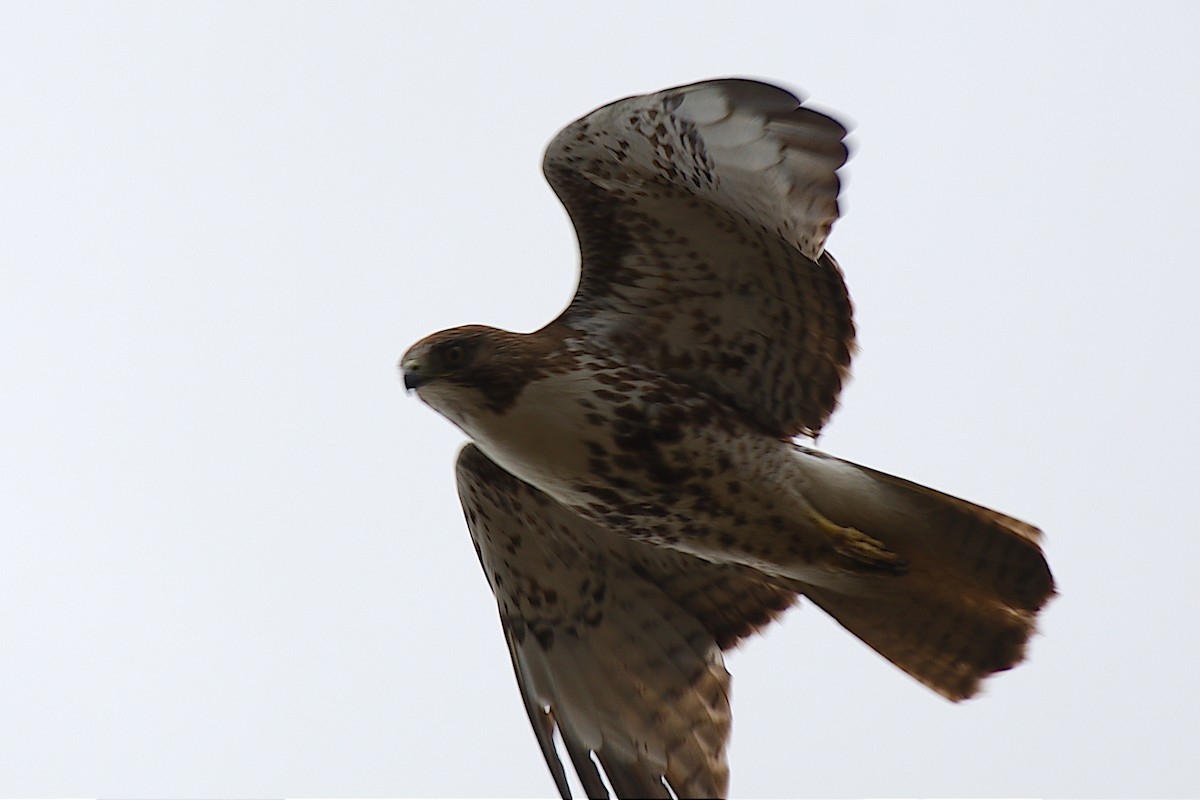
413, 379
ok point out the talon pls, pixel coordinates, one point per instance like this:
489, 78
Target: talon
865, 553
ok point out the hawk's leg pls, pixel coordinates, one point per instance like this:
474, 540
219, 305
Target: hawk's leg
856, 551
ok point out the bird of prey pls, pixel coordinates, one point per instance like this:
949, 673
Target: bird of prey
634, 486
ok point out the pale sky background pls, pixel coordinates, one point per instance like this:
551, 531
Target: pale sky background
233, 561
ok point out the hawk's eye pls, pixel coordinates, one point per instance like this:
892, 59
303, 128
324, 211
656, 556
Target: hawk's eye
454, 355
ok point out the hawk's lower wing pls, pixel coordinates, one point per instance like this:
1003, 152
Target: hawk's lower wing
616, 643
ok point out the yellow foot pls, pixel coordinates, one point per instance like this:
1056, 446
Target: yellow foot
859, 552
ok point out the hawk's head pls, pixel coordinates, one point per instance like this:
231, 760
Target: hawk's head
462, 372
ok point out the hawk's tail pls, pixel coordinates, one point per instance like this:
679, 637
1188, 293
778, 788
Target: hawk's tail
965, 603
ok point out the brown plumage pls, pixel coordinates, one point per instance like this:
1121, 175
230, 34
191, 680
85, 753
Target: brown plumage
633, 491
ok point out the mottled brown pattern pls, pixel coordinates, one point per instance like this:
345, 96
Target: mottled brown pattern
615, 613
633, 491
702, 266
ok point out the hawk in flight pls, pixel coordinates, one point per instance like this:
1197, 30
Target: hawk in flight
634, 488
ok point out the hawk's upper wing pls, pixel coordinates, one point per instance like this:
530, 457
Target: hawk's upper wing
702, 213
616, 643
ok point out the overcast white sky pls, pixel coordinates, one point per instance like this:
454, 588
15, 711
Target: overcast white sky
232, 561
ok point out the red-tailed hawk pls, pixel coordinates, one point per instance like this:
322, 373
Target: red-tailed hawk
633, 488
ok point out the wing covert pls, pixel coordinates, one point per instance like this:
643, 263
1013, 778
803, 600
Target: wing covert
702, 214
